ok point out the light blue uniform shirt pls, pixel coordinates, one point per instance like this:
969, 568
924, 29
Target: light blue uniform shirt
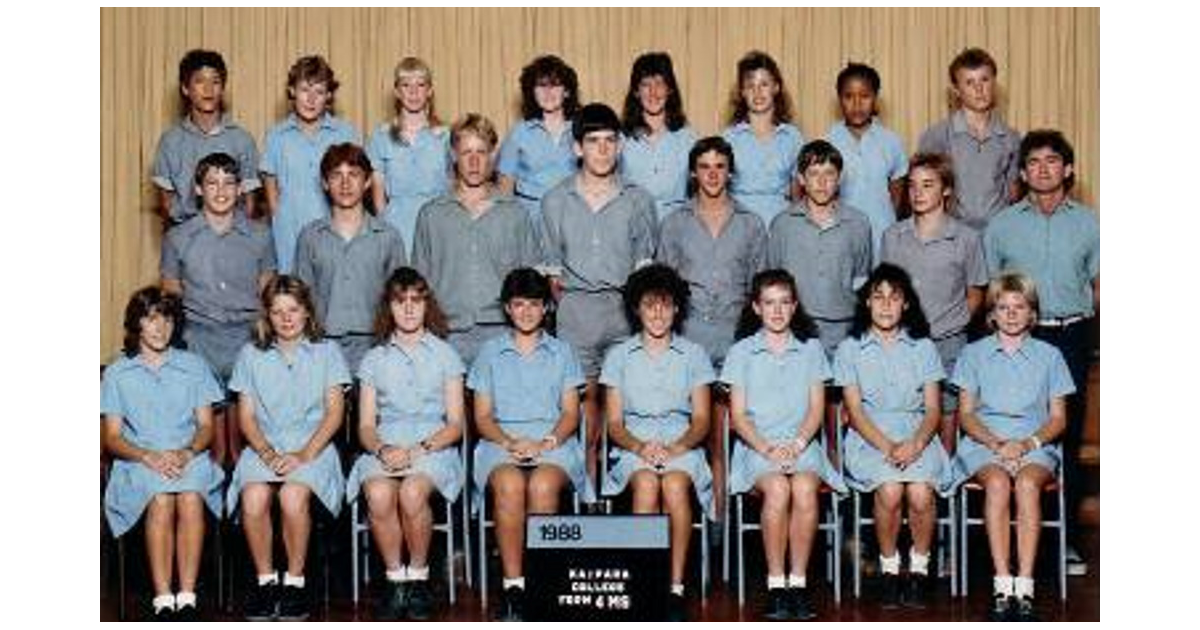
536, 161
869, 165
1012, 396
660, 167
763, 169
294, 158
157, 408
413, 173
525, 388
1061, 252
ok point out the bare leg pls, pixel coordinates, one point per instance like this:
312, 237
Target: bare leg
716, 450
677, 499
256, 522
802, 528
189, 534
545, 486
297, 525
997, 486
776, 506
922, 516
160, 541
1030, 481
888, 499
593, 423
646, 491
508, 492
383, 506
418, 518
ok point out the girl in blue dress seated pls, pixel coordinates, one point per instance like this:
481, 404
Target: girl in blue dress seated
410, 423
1012, 401
889, 372
526, 384
777, 375
156, 403
657, 406
289, 384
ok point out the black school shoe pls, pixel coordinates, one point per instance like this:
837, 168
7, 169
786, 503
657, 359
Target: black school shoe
293, 604
420, 600
779, 605
889, 591
1001, 608
512, 605
1023, 610
262, 601
802, 605
187, 613
676, 608
393, 601
166, 613
916, 591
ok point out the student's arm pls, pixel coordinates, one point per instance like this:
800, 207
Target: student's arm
165, 199
485, 421
172, 286
861, 422
455, 401
910, 449
896, 193
368, 435
1096, 293
975, 297
506, 185
252, 433
379, 195
814, 416
971, 423
330, 422
568, 420
739, 419
249, 201
698, 428
618, 433
158, 461
271, 190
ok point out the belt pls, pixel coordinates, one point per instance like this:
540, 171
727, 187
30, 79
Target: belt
1060, 322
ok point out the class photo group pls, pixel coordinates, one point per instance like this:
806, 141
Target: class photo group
851, 370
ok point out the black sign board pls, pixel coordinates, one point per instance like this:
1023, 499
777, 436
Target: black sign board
597, 568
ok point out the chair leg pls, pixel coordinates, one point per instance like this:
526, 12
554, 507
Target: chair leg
466, 520
963, 518
856, 526
354, 575
451, 584
1062, 542
483, 567
121, 576
837, 550
950, 505
703, 557
741, 555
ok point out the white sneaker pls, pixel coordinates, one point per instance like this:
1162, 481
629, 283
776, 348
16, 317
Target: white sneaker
1076, 567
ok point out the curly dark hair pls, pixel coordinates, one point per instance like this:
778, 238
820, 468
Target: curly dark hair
912, 320
556, 70
143, 303
658, 280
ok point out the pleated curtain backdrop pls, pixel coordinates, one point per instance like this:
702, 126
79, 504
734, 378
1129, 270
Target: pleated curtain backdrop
1049, 62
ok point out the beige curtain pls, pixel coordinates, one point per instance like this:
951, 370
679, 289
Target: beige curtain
1049, 76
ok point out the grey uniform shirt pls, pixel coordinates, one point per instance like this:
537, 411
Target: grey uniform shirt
219, 272
984, 170
718, 270
347, 277
594, 251
183, 145
942, 268
465, 259
829, 264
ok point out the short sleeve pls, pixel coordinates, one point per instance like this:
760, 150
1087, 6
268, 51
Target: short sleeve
845, 363
242, 378
170, 266
1061, 383
899, 165
267, 262
612, 373
818, 365
479, 379
336, 371
208, 390
111, 401
368, 368
451, 363
506, 163
271, 157
700, 369
991, 248
733, 373
161, 170
248, 162
976, 265
966, 372
376, 150
929, 362
572, 371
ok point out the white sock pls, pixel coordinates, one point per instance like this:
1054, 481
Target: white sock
185, 598
918, 562
890, 566
418, 574
518, 582
397, 575
292, 580
776, 581
267, 578
164, 602
1002, 585
1023, 587
797, 581
677, 589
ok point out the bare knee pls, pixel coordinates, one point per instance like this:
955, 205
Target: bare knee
676, 490
381, 496
414, 496
256, 500
889, 495
293, 501
776, 494
920, 498
189, 507
544, 487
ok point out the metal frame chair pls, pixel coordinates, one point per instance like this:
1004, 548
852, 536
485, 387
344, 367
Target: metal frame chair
830, 524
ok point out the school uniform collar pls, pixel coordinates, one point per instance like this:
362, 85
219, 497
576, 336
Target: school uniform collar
172, 359
637, 343
224, 124
371, 223
425, 341
800, 209
871, 339
508, 343
619, 182
304, 346
759, 343
241, 224
996, 126
744, 126
871, 130
951, 229
1066, 205
324, 122
993, 346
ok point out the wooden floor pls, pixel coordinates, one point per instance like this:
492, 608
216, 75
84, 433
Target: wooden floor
1083, 592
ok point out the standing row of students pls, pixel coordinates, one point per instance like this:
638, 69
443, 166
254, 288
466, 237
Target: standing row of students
592, 230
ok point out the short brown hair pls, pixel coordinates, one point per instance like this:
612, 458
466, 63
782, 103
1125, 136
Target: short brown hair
1011, 282
314, 69
969, 59
344, 153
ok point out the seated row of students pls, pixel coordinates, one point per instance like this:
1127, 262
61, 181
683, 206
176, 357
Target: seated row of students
156, 404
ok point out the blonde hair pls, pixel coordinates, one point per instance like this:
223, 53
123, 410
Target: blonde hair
409, 65
474, 124
1011, 282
